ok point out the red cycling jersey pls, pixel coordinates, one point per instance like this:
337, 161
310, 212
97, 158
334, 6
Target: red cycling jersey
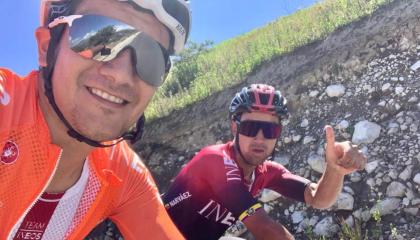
210, 193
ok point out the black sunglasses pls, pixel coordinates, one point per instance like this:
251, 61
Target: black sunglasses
251, 129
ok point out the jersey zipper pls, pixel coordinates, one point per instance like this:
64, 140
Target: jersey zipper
9, 237
100, 195
251, 184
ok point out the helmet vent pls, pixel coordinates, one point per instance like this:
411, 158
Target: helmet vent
264, 98
251, 98
276, 100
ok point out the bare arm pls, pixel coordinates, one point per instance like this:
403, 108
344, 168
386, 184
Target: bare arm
264, 228
342, 158
323, 194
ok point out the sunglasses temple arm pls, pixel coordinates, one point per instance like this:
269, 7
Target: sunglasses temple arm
64, 19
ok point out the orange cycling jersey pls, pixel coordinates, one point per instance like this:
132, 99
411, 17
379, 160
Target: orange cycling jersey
120, 188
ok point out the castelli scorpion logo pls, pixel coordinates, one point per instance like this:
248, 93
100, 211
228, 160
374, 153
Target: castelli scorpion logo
10, 153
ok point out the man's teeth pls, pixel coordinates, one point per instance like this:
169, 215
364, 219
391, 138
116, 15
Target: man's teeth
107, 96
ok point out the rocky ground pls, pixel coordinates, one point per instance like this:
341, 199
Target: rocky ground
364, 80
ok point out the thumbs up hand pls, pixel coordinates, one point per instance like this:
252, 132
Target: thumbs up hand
344, 157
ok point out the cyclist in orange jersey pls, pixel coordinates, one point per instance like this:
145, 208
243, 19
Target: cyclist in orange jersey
65, 164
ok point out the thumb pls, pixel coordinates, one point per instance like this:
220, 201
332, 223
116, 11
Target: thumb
330, 137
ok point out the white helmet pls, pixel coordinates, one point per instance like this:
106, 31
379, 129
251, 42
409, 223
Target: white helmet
174, 14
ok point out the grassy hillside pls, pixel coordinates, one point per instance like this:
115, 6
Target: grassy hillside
228, 63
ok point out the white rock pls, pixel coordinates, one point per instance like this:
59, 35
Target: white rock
406, 201
297, 217
304, 123
296, 138
393, 174
382, 104
386, 206
335, 90
345, 201
268, 208
371, 166
316, 162
370, 182
287, 140
326, 227
283, 159
343, 125
404, 44
313, 220
411, 211
395, 189
349, 221
415, 66
355, 177
313, 93
308, 139
413, 99
348, 190
393, 128
365, 150
406, 174
410, 194
416, 178
386, 87
413, 128
268, 195
365, 215
366, 132
303, 225
399, 90
357, 213
416, 201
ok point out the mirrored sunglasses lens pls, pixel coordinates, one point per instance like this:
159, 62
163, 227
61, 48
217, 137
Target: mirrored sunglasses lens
99, 38
102, 39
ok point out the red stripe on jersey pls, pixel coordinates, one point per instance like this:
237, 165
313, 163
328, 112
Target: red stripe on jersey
36, 221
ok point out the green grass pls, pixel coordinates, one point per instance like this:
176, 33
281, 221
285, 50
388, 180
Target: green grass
229, 62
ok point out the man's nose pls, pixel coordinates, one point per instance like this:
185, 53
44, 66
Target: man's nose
260, 135
119, 69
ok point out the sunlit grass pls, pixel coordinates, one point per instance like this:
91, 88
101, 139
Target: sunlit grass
227, 64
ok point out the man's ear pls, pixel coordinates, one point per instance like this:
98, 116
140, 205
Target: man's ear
43, 36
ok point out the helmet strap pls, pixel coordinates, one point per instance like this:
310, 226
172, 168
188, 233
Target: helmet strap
238, 149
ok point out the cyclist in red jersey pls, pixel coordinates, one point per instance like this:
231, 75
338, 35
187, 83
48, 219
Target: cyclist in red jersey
221, 183
64, 163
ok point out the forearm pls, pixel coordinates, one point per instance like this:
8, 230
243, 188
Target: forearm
327, 189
